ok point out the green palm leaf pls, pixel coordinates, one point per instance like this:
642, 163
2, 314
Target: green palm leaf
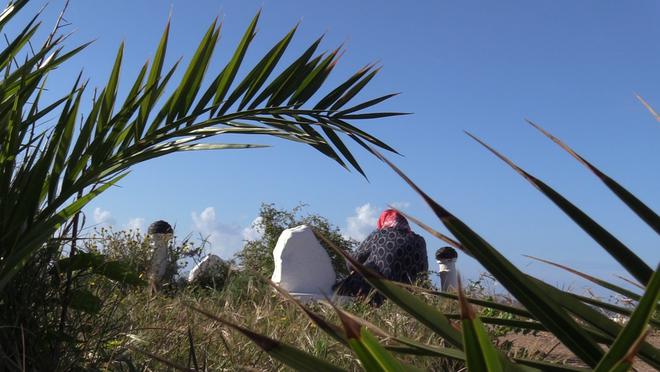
626, 257
114, 136
600, 282
636, 205
480, 353
629, 338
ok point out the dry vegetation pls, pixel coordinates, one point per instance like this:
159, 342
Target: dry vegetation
154, 331
160, 327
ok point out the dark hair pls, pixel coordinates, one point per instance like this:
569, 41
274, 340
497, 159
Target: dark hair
445, 253
160, 227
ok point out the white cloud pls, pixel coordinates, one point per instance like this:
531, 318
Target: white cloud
400, 205
103, 217
362, 223
224, 240
254, 231
136, 223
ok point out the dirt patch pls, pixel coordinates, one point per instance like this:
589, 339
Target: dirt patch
545, 346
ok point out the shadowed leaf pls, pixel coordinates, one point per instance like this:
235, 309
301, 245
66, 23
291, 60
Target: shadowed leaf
636, 205
627, 258
629, 338
86, 301
600, 282
479, 352
372, 355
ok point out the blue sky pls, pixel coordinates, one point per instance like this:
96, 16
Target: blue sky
481, 66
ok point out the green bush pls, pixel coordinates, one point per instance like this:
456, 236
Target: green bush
257, 255
135, 250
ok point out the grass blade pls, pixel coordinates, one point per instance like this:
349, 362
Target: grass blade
338, 333
373, 356
575, 304
628, 338
626, 363
479, 352
40, 233
331, 329
431, 231
292, 357
161, 359
648, 107
571, 302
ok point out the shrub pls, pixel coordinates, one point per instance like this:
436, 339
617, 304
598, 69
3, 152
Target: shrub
135, 249
211, 272
257, 255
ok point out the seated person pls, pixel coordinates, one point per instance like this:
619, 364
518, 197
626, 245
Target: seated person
393, 250
446, 259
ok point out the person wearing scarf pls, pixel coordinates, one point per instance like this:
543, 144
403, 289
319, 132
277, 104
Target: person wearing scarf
393, 250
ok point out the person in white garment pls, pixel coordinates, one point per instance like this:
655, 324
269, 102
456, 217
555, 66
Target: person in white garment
160, 233
446, 258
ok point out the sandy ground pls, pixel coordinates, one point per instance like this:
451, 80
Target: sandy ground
548, 345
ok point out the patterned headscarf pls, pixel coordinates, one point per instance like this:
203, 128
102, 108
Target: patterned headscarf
392, 219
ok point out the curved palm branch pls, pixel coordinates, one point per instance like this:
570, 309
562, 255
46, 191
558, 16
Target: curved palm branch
48, 175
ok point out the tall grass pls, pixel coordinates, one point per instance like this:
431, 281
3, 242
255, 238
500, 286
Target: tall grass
155, 330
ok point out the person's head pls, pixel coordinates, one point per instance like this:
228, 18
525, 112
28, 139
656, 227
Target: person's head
446, 253
390, 218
